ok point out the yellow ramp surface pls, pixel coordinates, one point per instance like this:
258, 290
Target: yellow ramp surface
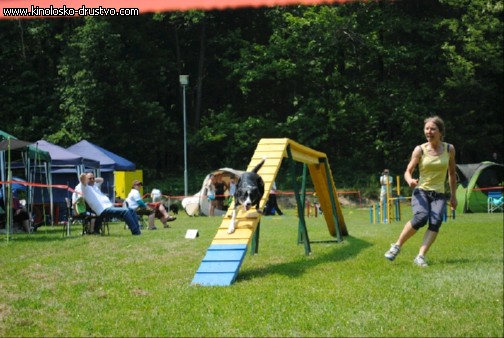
225, 255
275, 150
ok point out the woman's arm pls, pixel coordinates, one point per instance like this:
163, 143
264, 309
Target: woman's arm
408, 174
452, 178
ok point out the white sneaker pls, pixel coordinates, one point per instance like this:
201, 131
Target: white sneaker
420, 261
392, 252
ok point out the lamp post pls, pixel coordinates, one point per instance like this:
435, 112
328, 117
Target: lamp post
184, 81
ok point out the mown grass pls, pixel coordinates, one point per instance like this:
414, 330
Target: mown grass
123, 285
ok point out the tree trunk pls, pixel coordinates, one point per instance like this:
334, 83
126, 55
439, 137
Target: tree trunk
199, 82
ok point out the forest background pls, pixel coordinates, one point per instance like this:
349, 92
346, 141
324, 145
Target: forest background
353, 80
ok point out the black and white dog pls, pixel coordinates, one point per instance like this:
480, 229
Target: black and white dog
249, 191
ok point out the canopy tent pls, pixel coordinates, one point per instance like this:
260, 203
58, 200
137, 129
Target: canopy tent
147, 6
33, 151
8, 145
109, 162
65, 168
87, 149
474, 182
29, 153
60, 157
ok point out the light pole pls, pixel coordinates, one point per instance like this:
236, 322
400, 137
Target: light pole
184, 81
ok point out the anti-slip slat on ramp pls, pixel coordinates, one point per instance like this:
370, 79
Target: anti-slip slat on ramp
221, 265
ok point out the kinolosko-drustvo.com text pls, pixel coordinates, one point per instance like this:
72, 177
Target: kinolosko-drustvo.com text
69, 11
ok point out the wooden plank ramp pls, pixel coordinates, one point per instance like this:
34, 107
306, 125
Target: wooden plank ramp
224, 257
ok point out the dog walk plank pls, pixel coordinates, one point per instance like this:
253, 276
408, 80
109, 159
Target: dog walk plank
242, 234
227, 247
240, 216
220, 265
239, 232
231, 241
242, 223
223, 256
214, 279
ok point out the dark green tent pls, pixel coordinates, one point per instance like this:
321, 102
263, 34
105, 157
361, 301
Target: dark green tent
474, 182
30, 153
33, 151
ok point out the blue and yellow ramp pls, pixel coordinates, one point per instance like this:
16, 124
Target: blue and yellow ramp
223, 260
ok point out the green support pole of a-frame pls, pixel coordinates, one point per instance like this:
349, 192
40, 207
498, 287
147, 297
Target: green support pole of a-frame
333, 200
300, 206
302, 222
254, 248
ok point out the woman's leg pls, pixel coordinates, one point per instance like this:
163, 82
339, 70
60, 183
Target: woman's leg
163, 215
407, 232
437, 209
152, 218
429, 238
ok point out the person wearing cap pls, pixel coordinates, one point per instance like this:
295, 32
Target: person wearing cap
152, 210
383, 182
102, 206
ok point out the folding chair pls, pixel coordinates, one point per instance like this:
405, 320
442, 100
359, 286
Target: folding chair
80, 215
104, 225
141, 219
495, 201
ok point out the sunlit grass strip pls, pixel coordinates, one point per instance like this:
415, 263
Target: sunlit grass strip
123, 285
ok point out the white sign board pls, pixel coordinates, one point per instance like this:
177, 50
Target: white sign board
192, 233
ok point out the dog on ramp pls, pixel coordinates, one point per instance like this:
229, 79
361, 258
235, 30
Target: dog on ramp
249, 191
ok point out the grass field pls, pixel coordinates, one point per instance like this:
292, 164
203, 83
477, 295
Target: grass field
123, 285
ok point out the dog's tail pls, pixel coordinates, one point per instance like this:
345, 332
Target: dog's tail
259, 165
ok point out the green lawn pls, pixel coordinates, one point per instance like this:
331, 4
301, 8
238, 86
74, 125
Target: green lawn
123, 285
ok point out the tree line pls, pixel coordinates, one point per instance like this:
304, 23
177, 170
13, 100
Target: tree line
353, 80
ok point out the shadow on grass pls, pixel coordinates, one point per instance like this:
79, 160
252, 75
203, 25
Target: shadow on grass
296, 268
49, 234
472, 260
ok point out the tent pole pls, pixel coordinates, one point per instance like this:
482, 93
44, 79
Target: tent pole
29, 192
8, 204
2, 172
49, 178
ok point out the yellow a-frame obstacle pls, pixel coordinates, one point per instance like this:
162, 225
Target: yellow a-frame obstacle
223, 260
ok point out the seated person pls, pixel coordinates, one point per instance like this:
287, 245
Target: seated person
154, 209
95, 223
161, 210
102, 206
20, 215
155, 195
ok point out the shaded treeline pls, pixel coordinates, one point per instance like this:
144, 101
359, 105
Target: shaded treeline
354, 81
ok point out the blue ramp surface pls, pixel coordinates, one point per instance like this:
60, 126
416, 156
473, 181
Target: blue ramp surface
220, 265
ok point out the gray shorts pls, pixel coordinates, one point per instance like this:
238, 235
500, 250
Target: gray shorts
427, 206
